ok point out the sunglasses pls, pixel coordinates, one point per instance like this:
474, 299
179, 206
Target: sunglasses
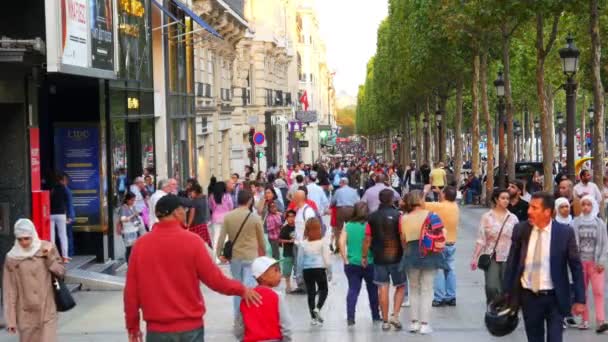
24, 238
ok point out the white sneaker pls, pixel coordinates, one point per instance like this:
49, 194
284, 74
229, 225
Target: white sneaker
414, 327
406, 303
313, 322
318, 316
425, 329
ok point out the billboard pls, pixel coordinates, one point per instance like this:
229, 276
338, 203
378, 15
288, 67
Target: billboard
80, 37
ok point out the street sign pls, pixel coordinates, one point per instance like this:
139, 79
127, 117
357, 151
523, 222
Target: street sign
259, 138
303, 143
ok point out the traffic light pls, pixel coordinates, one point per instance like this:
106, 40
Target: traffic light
251, 154
251, 133
260, 154
323, 134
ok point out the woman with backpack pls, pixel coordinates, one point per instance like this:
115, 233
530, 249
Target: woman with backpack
422, 234
494, 242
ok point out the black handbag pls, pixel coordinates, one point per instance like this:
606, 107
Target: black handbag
63, 296
484, 260
227, 251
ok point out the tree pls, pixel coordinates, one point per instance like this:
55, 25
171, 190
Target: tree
598, 93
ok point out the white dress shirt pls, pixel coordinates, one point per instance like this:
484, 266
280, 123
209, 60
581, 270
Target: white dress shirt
580, 190
155, 197
546, 283
317, 195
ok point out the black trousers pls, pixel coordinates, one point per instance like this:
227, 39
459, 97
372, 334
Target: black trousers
541, 310
316, 283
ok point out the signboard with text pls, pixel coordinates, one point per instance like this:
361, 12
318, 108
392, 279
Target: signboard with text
77, 154
306, 115
80, 37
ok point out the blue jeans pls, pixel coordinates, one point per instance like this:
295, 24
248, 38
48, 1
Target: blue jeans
470, 194
445, 280
356, 274
197, 335
241, 271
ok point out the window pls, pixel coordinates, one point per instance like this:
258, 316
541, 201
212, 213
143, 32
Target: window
210, 71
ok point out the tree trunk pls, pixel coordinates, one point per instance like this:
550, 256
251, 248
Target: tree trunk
406, 137
475, 104
506, 61
419, 139
598, 96
458, 132
443, 155
545, 114
427, 135
485, 107
583, 139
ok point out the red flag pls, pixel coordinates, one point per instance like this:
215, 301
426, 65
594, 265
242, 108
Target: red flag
304, 100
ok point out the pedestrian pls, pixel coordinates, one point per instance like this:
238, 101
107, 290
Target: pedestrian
438, 179
371, 195
494, 240
517, 205
149, 184
276, 325
351, 245
198, 215
246, 247
395, 180
29, 305
59, 212
165, 187
131, 226
592, 241
344, 201
287, 238
412, 179
272, 223
536, 276
314, 261
444, 287
220, 204
163, 279
137, 189
562, 211
232, 187
421, 266
587, 187
383, 238
566, 190
270, 197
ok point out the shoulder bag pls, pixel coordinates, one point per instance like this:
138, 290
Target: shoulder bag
63, 298
484, 260
227, 251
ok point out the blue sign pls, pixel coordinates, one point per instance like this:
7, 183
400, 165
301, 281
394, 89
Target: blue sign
77, 154
259, 138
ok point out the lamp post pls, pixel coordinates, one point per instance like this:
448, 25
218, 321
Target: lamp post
560, 122
441, 139
427, 143
499, 83
537, 134
591, 112
517, 133
569, 56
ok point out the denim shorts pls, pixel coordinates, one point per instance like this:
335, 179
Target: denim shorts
383, 274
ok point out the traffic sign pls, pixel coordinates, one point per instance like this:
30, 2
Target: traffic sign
259, 138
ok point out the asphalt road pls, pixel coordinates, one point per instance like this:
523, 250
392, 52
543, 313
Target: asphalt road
99, 315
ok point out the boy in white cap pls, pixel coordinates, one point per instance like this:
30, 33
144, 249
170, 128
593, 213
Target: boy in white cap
276, 322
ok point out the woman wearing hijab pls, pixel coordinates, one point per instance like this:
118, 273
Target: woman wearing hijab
29, 304
562, 211
592, 240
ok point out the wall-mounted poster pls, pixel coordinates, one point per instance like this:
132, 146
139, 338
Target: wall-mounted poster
80, 37
102, 36
77, 154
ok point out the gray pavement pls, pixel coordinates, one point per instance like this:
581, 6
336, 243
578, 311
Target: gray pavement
99, 315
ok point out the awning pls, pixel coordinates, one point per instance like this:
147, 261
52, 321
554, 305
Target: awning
166, 11
196, 18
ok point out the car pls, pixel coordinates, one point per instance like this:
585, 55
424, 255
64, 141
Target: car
524, 171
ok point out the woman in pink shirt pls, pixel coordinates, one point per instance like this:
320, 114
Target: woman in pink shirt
220, 203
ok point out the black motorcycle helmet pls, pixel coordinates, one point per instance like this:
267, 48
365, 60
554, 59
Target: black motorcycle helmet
500, 319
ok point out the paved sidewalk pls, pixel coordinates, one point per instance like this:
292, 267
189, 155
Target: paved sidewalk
99, 315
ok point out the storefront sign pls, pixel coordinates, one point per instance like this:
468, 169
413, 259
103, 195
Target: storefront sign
80, 37
77, 154
35, 158
303, 143
306, 116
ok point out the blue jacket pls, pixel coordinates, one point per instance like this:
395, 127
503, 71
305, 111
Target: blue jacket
564, 255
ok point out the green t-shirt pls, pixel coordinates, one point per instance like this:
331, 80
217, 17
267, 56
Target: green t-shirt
354, 243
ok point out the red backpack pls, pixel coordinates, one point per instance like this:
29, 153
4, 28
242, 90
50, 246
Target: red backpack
432, 238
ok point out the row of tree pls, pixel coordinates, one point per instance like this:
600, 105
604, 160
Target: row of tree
443, 55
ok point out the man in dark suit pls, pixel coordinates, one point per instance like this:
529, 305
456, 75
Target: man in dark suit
536, 277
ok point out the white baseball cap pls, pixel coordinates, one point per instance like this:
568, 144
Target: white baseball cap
261, 265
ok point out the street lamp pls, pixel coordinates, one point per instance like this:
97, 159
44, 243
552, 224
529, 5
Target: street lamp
516, 132
569, 55
441, 147
499, 83
560, 122
537, 133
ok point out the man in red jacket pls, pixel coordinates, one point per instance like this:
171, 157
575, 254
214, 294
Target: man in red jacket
165, 269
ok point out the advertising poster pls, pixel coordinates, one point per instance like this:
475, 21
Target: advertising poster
75, 35
102, 38
77, 154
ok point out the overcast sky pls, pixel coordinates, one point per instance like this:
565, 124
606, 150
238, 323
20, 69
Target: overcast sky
349, 28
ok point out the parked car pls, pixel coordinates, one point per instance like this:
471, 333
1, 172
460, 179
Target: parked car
524, 171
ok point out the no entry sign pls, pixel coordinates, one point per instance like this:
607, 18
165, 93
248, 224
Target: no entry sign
259, 138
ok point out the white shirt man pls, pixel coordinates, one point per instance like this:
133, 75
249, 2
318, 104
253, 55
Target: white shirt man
317, 195
580, 190
140, 202
165, 187
546, 283
302, 215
